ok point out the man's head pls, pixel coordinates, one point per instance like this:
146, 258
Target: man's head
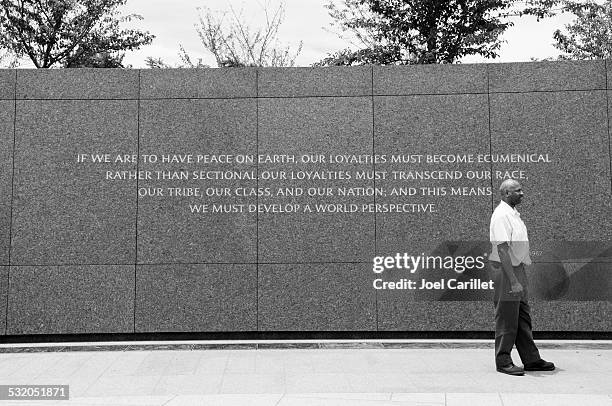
511, 192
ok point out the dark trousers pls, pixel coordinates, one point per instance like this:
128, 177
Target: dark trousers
512, 318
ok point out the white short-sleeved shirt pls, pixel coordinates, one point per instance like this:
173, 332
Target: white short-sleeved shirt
507, 226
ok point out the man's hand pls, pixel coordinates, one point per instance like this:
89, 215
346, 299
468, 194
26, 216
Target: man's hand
516, 289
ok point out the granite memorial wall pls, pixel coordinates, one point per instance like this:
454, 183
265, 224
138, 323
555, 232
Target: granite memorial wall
257, 200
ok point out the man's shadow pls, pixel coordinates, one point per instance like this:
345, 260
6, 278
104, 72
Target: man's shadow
541, 374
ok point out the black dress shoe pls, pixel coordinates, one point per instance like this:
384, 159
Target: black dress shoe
540, 365
511, 369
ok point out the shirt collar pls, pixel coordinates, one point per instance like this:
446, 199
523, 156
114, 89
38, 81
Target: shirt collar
506, 206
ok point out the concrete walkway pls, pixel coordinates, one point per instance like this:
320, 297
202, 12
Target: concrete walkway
359, 374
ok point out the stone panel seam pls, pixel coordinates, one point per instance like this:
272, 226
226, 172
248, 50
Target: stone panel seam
200, 98
373, 151
136, 222
245, 263
81, 264
368, 95
257, 213
608, 126
10, 246
216, 98
547, 91
8, 269
317, 96
490, 135
73, 99
107, 265
305, 263
374, 181
166, 98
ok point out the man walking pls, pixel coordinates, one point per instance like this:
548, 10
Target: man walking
509, 256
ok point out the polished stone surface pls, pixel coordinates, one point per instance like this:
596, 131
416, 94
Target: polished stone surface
400, 311
573, 252
316, 297
583, 281
66, 212
608, 93
82, 83
71, 299
432, 126
326, 125
198, 83
609, 74
168, 230
4, 273
546, 76
569, 315
316, 237
566, 197
305, 82
307, 127
196, 298
430, 79
7, 84
7, 113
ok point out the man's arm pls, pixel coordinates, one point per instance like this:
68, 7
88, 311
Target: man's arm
506, 262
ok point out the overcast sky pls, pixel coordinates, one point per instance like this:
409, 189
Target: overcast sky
172, 22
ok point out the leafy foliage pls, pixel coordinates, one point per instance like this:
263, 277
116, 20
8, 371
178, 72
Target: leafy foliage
589, 36
425, 31
73, 33
92, 59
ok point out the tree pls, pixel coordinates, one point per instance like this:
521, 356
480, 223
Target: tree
424, 31
589, 36
234, 43
71, 33
186, 62
93, 59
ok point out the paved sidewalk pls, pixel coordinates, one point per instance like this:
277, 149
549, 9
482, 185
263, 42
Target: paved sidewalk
367, 375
